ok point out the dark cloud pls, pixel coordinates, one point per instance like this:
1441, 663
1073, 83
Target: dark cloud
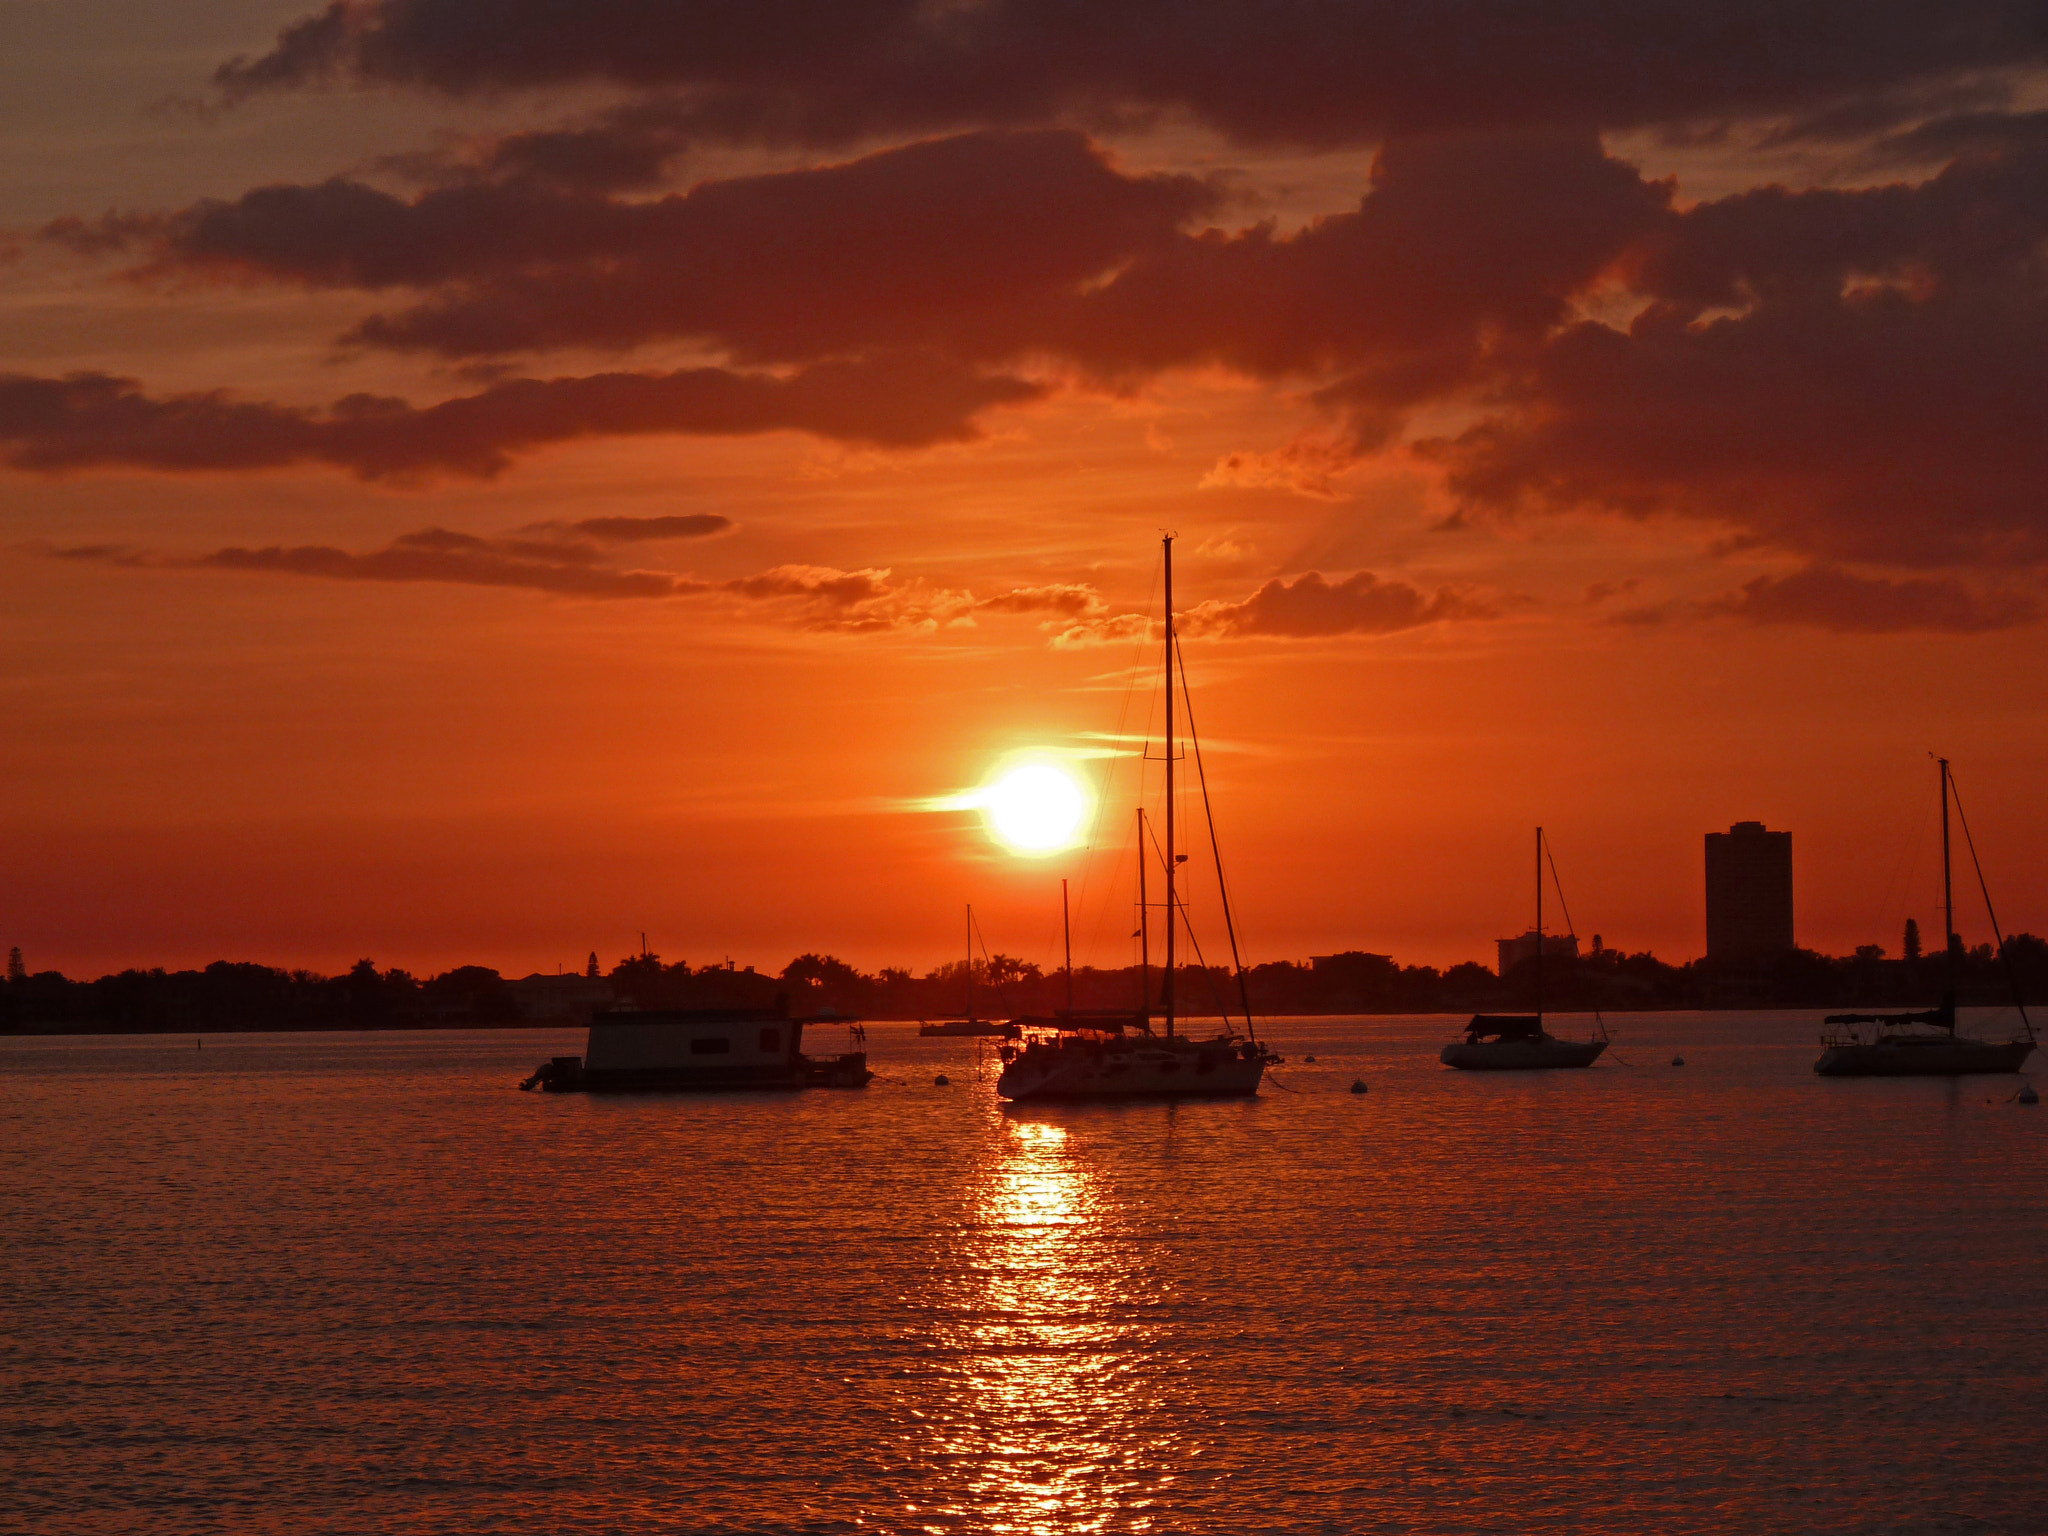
1304, 71
1063, 600
1308, 607
870, 601
946, 242
811, 597
342, 233
1600, 591
89, 421
432, 554
1827, 597
626, 149
804, 596
1861, 375
1853, 119
1311, 606
1466, 247
635, 530
817, 583
1890, 431
862, 602
1975, 136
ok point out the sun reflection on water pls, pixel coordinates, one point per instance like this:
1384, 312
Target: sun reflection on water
1043, 1426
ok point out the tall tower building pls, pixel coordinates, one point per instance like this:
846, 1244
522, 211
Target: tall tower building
1749, 892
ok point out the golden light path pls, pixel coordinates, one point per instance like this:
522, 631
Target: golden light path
1045, 1428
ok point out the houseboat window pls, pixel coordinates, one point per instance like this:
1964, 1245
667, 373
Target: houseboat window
771, 1039
712, 1047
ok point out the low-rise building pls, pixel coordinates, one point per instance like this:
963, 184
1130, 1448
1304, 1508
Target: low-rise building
572, 999
1556, 946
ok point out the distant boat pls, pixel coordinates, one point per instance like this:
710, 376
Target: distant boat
1925, 1044
1093, 1054
970, 1027
984, 1029
698, 1049
1518, 1042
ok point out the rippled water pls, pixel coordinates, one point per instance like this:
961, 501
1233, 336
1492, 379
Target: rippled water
357, 1283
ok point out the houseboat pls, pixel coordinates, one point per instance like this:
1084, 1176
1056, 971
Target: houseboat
699, 1049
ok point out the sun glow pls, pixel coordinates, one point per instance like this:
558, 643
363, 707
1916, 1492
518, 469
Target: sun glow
1035, 808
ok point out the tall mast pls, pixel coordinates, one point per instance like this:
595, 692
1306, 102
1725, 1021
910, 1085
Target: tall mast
1948, 902
1067, 932
1172, 908
1539, 923
970, 962
1144, 931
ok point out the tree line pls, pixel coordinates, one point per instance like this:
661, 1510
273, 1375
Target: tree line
229, 995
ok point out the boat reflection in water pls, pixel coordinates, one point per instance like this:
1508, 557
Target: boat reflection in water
1044, 1303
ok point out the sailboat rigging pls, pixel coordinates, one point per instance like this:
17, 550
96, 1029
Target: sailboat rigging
1518, 1042
970, 1025
1114, 1054
1925, 1044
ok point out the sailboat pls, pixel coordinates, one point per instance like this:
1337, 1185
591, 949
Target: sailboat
1143, 1053
969, 1027
1926, 1044
1518, 1042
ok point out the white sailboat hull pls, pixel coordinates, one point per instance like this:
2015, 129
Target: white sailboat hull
1922, 1056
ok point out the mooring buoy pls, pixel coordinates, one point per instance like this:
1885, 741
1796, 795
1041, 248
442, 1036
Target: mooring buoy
1358, 1085
942, 1081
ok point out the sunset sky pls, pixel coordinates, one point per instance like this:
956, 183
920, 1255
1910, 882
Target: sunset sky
485, 481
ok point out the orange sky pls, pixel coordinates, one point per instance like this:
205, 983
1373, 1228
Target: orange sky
1531, 461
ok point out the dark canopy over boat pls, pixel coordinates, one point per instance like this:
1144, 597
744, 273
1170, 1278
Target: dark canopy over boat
1505, 1026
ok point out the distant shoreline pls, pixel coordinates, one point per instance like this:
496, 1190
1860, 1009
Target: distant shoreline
536, 1025
244, 997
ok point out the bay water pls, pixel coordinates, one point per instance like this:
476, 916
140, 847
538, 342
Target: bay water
358, 1283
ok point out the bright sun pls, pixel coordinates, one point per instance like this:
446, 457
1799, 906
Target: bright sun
1035, 809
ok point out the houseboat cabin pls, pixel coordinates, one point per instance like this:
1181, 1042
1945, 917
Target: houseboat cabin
640, 1051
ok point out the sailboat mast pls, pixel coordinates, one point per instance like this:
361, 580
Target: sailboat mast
1172, 908
1948, 900
1539, 923
1144, 931
1067, 932
970, 962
